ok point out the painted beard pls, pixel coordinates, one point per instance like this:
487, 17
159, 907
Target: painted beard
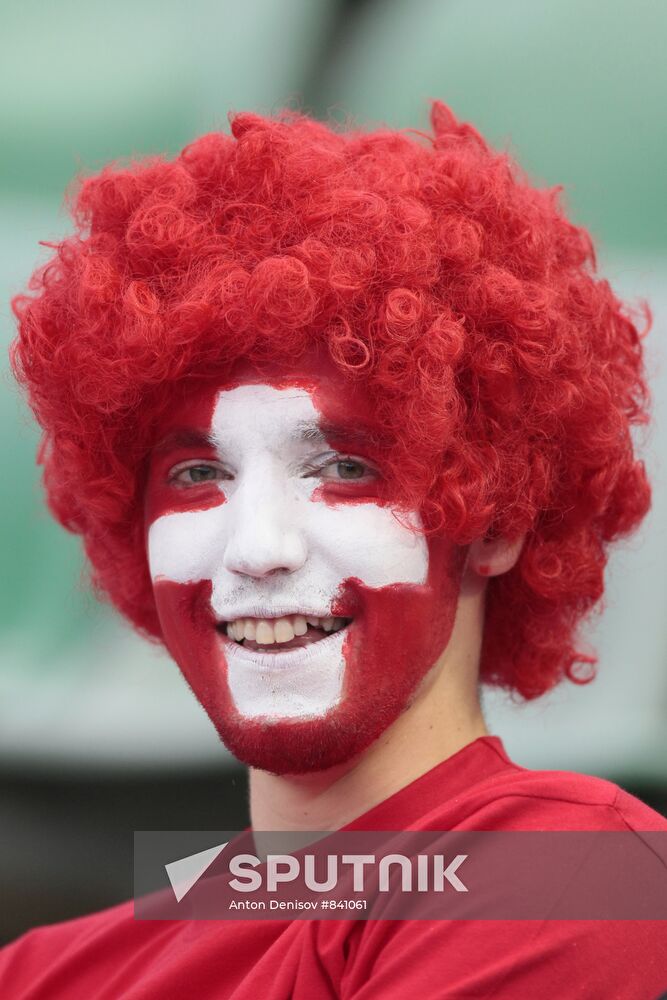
327, 549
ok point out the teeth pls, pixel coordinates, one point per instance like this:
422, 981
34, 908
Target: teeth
267, 632
283, 630
300, 625
264, 633
248, 628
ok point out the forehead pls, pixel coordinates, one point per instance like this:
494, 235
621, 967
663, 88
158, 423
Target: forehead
264, 414
306, 403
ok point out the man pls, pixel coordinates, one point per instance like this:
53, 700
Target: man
345, 421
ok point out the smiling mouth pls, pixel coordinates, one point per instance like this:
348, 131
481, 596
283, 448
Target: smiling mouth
275, 635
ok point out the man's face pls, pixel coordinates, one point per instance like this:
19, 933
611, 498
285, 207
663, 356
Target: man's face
301, 609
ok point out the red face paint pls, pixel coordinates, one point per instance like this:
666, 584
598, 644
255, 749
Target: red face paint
398, 630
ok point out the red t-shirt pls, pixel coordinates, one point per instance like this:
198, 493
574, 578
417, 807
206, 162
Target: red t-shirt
109, 955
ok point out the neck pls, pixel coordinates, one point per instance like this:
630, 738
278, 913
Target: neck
444, 716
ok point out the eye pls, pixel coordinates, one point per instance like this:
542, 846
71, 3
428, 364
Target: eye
196, 473
347, 469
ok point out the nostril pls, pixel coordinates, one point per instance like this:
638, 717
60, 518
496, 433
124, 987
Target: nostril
265, 551
265, 567
259, 570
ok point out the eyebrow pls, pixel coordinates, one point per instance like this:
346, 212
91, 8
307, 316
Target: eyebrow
184, 437
324, 432
306, 431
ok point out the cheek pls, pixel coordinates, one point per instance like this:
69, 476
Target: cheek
368, 542
163, 499
399, 633
188, 627
186, 546
403, 628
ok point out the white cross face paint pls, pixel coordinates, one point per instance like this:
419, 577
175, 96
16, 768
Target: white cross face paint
276, 527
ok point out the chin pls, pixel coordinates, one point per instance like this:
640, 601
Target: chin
337, 697
287, 747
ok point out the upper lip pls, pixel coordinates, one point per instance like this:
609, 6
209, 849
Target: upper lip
276, 613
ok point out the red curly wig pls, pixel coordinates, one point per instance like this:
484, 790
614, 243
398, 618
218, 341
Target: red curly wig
506, 374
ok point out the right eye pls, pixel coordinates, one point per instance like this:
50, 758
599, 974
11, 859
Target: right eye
196, 473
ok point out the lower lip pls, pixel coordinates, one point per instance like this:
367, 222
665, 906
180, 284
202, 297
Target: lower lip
289, 657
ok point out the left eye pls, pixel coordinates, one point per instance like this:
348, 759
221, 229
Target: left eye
347, 468
192, 475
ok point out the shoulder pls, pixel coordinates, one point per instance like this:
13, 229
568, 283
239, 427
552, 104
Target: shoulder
506, 796
60, 935
88, 948
566, 800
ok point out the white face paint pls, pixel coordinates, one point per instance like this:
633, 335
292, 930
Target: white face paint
273, 547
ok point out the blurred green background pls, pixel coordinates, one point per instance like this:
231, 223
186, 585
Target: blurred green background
94, 722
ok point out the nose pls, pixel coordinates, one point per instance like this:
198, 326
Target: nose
266, 536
